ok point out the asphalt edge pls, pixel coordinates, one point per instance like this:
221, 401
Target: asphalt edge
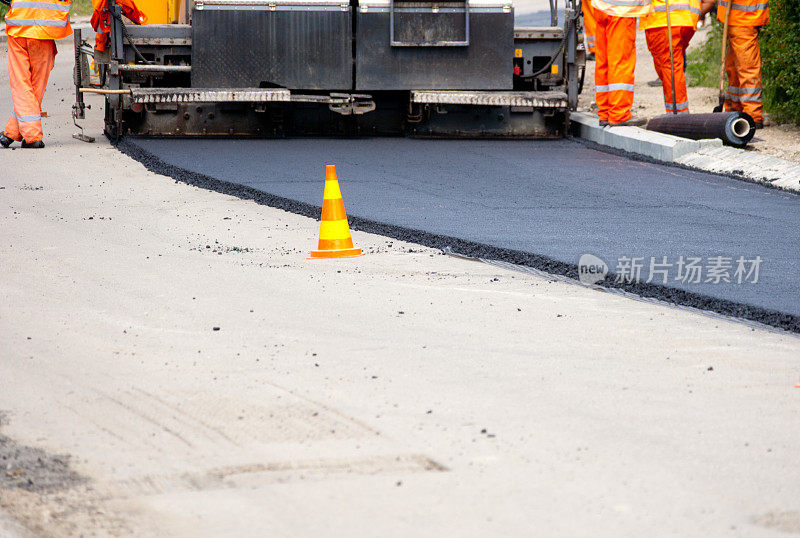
779, 320
708, 155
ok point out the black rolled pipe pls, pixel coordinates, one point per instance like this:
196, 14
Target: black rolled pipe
733, 128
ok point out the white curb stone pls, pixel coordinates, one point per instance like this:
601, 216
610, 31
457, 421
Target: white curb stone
709, 155
658, 146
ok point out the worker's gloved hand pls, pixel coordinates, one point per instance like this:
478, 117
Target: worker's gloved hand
101, 19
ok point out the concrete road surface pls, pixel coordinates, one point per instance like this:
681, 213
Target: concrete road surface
403, 393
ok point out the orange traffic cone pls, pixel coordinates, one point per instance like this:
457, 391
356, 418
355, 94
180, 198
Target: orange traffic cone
797, 386
334, 233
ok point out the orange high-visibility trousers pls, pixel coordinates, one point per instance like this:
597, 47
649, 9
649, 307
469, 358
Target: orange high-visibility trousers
589, 25
615, 60
743, 64
659, 47
29, 64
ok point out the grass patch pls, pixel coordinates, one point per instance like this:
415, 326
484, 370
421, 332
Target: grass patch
780, 55
81, 8
702, 63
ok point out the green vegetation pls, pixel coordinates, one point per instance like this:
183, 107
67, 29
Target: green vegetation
702, 63
79, 8
780, 59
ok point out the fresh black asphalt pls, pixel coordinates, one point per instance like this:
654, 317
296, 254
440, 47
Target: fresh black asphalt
541, 203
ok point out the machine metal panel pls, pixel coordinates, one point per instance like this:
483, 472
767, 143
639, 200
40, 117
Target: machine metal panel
160, 31
539, 32
437, 45
304, 45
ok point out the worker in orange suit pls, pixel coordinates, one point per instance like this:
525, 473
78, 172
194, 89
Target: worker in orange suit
743, 59
32, 28
615, 58
101, 19
589, 25
683, 17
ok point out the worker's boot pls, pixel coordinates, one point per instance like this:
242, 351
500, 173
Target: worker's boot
633, 122
5, 141
33, 145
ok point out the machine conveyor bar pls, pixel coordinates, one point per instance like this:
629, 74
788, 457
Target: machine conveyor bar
155, 68
551, 99
209, 95
242, 95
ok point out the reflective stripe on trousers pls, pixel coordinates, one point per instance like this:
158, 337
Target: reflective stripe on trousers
681, 108
744, 95
24, 119
614, 87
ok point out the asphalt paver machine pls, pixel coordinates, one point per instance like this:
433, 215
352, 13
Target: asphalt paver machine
272, 68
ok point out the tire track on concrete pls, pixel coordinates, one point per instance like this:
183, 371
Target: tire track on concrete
261, 474
190, 419
147, 418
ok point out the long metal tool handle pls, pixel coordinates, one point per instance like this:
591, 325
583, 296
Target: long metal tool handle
671, 61
722, 55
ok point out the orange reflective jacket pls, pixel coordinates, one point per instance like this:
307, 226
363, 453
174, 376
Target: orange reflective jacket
681, 13
101, 19
745, 12
39, 19
624, 8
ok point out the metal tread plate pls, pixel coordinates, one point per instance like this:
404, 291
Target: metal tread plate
209, 95
552, 99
